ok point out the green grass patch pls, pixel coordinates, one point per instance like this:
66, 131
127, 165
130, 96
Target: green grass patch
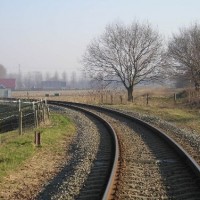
16, 149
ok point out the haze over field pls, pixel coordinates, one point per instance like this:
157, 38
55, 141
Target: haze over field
52, 35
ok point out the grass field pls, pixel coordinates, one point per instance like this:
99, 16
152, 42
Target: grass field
17, 149
96, 96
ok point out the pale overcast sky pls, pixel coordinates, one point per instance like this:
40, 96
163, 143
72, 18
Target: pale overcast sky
51, 35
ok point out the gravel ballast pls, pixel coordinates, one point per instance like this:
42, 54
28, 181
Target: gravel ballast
189, 140
68, 183
150, 167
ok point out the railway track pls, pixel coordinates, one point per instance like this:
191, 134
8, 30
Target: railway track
99, 184
152, 165
102, 172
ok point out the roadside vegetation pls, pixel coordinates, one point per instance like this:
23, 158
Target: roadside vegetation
15, 150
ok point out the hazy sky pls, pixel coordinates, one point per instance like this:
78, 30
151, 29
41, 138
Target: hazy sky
52, 35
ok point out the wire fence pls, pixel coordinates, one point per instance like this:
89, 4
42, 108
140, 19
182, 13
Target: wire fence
22, 114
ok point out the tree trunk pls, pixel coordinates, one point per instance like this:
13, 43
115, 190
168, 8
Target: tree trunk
130, 93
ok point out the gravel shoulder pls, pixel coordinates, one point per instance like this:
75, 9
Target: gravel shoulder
69, 181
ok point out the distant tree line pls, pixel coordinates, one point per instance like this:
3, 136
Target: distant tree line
33, 80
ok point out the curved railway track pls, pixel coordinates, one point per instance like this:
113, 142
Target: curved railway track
104, 168
152, 165
100, 182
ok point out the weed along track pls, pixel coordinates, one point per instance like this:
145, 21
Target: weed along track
152, 165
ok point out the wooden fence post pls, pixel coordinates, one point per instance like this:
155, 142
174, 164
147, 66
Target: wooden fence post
33, 104
38, 112
147, 99
102, 98
37, 138
189, 96
120, 99
111, 97
174, 98
43, 112
20, 118
47, 108
36, 116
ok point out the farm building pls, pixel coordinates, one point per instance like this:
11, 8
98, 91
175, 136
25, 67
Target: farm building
53, 84
8, 83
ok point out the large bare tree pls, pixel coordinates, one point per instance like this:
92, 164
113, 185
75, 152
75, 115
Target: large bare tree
184, 51
128, 54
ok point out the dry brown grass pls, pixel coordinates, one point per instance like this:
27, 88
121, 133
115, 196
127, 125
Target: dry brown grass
101, 97
161, 102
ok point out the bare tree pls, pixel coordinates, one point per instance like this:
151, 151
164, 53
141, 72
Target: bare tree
28, 81
47, 76
19, 79
64, 76
56, 76
38, 78
73, 80
127, 54
2, 71
184, 51
83, 82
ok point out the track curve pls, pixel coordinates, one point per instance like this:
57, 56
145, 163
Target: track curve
151, 164
103, 173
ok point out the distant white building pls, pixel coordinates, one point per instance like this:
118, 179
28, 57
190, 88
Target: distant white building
5, 93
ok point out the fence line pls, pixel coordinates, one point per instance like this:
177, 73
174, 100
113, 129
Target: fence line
22, 114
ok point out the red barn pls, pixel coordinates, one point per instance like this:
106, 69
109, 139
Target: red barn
8, 83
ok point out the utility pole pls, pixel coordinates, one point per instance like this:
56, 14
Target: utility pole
19, 78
